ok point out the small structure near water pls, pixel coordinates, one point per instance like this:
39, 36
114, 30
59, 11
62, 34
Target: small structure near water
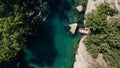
79, 8
73, 28
84, 30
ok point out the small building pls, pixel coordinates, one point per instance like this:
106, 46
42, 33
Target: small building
73, 28
84, 30
79, 8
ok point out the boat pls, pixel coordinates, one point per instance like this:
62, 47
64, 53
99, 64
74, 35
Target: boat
45, 18
84, 30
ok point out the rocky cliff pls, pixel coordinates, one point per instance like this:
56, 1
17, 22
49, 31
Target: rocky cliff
83, 58
92, 4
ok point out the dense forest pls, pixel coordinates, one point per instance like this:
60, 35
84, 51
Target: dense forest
11, 29
105, 34
19, 20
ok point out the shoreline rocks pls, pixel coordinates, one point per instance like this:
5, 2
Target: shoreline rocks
73, 28
79, 8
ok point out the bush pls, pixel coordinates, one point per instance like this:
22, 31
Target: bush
106, 9
105, 35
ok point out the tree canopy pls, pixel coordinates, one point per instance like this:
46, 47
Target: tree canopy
11, 29
105, 35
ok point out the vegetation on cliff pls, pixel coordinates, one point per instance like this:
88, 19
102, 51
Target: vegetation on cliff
105, 35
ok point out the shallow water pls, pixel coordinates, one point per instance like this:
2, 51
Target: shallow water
54, 46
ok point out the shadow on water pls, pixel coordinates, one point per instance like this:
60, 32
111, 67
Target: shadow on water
41, 51
42, 47
60, 5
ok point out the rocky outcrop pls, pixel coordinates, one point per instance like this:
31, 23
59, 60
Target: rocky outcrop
83, 59
73, 28
92, 4
82, 56
110, 18
79, 8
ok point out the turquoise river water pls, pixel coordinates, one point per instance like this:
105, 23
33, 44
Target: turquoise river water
54, 46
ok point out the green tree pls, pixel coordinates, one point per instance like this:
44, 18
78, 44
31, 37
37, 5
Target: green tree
106, 9
95, 21
11, 29
105, 35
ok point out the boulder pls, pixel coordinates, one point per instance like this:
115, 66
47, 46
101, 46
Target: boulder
73, 28
79, 8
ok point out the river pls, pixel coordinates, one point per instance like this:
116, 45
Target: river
54, 46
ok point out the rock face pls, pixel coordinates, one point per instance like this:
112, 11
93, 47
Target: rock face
79, 8
73, 27
83, 59
82, 56
110, 18
92, 4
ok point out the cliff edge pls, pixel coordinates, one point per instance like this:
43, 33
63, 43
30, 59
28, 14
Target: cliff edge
83, 59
